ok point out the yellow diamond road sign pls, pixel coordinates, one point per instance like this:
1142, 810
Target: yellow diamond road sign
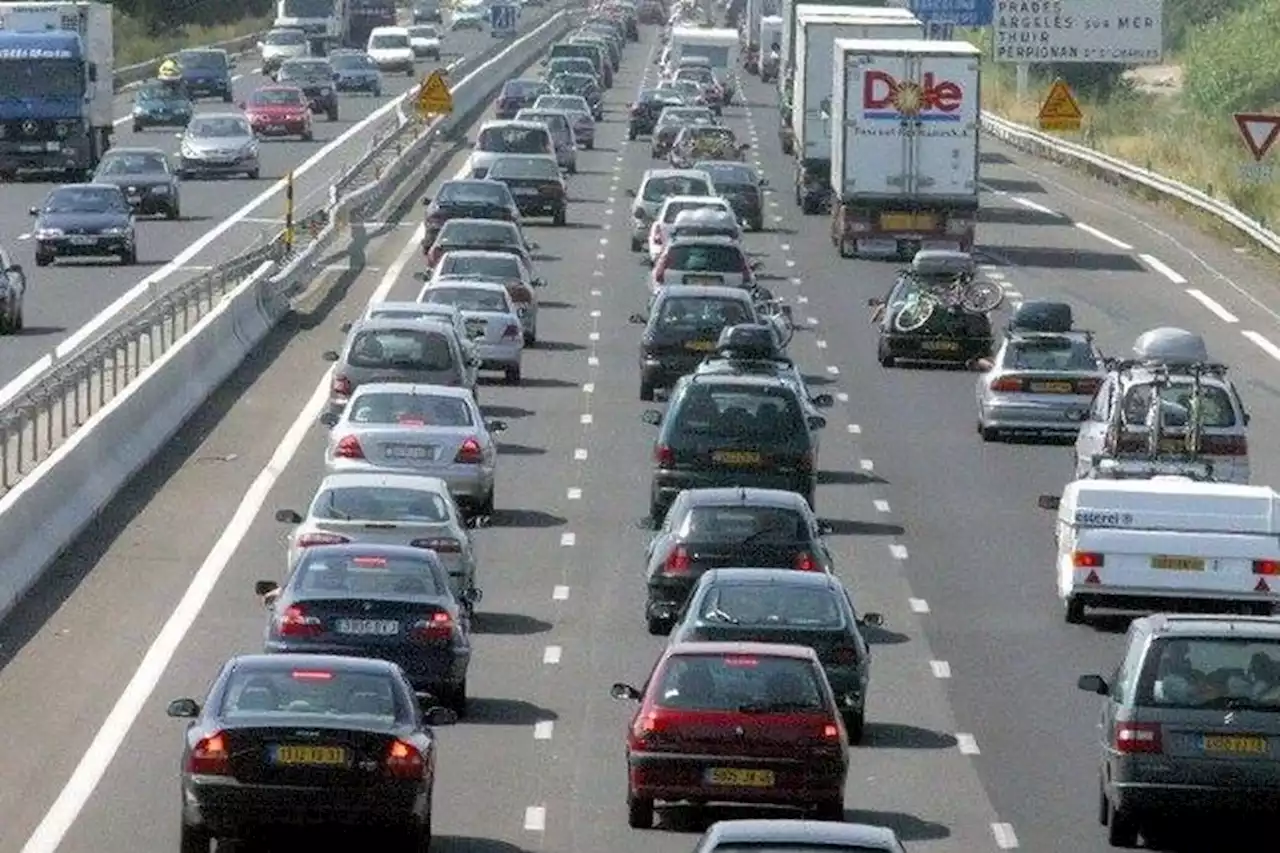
1060, 110
433, 96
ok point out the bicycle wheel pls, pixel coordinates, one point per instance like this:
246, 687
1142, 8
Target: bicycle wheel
979, 297
783, 327
914, 315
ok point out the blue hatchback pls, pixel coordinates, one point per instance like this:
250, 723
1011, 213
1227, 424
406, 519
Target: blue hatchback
207, 73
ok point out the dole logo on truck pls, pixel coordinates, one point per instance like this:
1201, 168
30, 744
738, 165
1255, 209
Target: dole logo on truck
884, 97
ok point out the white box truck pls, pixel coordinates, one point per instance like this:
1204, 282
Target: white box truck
57, 70
816, 32
321, 20
904, 146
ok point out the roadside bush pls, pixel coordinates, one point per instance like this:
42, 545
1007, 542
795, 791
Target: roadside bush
1234, 63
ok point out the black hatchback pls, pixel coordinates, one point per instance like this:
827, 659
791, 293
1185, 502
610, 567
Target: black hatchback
315, 77
947, 334
683, 326
649, 104
468, 199
731, 430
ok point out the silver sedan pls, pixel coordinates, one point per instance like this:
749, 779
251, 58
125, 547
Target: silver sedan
433, 430
1038, 384
218, 144
386, 509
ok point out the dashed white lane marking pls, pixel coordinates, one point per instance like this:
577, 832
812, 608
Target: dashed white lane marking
820, 343
866, 465
1104, 237
604, 241
586, 418
596, 292
593, 361
1031, 205
1163, 268
568, 540
1262, 342
594, 336
1213, 305
833, 370
575, 494
543, 729
596, 312
898, 551
940, 668
881, 505
786, 247
790, 262
967, 744
580, 454
842, 397
1005, 837
918, 605
600, 256
560, 593
811, 321
854, 429
535, 819
802, 300
1013, 294
588, 388
551, 654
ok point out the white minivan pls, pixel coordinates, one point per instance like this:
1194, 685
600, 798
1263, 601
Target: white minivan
391, 49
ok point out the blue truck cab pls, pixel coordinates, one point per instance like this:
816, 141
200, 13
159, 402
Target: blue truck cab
45, 99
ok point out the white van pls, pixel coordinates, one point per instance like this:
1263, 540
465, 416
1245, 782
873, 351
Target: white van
1167, 541
391, 49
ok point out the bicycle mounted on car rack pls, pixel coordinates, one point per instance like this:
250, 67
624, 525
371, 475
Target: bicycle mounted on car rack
949, 282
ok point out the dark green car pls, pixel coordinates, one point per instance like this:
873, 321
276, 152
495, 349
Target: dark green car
160, 105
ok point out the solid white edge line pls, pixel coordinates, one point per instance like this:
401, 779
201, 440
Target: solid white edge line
1214, 306
1263, 343
1163, 268
1104, 237
967, 744
543, 729
535, 819
20, 382
1006, 839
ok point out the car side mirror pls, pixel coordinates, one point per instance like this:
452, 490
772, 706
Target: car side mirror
817, 422
265, 588
496, 426
1049, 502
183, 709
178, 135
288, 516
240, 105
538, 282
35, 211
346, 327
1093, 684
438, 716
17, 270
624, 692
652, 417
825, 528
823, 401
329, 355
535, 245
764, 182
631, 193
1247, 417
426, 200
756, 265
637, 320
329, 419
874, 620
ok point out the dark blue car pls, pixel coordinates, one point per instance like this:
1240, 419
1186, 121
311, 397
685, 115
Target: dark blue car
84, 220
355, 71
207, 73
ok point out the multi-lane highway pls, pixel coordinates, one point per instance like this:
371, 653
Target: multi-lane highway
221, 218
977, 739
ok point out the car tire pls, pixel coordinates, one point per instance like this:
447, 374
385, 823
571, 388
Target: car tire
883, 356
129, 257
636, 244
1122, 827
988, 434
512, 375
19, 321
138, 128
193, 839
560, 217
631, 134
646, 392
855, 723
658, 627
1073, 611
43, 259
639, 812
485, 507
756, 224
226, 97
590, 146
174, 212
308, 136
830, 810
332, 115
1104, 805
455, 699
254, 175
573, 168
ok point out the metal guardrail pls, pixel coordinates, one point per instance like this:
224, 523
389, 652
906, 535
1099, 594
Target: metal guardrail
137, 73
1114, 169
43, 416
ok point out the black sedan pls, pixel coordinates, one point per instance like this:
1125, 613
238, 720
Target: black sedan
315, 77
85, 220
535, 183
355, 71
149, 184
159, 105
644, 112
741, 185
380, 601
713, 528
792, 608
947, 334
517, 95
468, 198
300, 740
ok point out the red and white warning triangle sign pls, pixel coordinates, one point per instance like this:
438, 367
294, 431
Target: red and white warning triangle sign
1259, 132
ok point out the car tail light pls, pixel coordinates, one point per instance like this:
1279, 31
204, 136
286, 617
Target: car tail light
1007, 384
470, 453
1224, 445
519, 293
660, 268
340, 386
1088, 560
1088, 386
664, 456
804, 562
349, 448
511, 331
311, 540
649, 729
805, 462
210, 756
439, 544
1133, 738
1266, 567
844, 655
830, 731
437, 626
677, 562
296, 622
404, 761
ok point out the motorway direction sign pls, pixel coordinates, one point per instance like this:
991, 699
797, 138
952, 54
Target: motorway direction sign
960, 13
1060, 110
434, 97
1080, 31
1259, 132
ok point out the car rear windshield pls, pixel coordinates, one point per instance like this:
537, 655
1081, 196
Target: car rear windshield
1177, 406
525, 167
373, 575
325, 693
730, 174
557, 123
705, 258
514, 140
389, 40
379, 503
701, 312
1211, 673
493, 234
777, 605
472, 192
205, 60
746, 524
483, 266
657, 189
675, 208
1051, 353
767, 414
686, 231
276, 98
468, 298
384, 407
522, 88
696, 74
401, 349
285, 37
747, 683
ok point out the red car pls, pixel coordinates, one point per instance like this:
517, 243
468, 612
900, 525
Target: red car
735, 723
279, 111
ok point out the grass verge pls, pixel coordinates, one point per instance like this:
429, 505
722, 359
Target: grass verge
134, 45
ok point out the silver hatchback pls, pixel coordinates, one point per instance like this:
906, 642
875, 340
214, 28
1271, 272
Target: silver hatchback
395, 351
218, 144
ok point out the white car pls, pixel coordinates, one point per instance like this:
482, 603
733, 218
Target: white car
656, 186
673, 206
503, 268
561, 126
445, 315
425, 41
507, 136
492, 322
386, 509
391, 49
705, 262
281, 44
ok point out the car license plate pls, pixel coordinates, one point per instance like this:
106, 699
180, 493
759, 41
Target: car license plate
1178, 564
700, 346
367, 627
1173, 445
940, 346
704, 280
411, 451
908, 221
1234, 744
736, 457
735, 778
322, 756
82, 240
1052, 387
525, 191
275, 128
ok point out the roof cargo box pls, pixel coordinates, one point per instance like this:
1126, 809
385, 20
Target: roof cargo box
1039, 316
1168, 345
1173, 503
937, 263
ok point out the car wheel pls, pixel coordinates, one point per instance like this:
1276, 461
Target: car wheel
137, 128
590, 146
455, 699
1122, 827
832, 810
988, 433
512, 375
639, 812
757, 224
1104, 805
19, 321
636, 244
308, 136
129, 256
883, 356
560, 217
658, 626
226, 97
485, 507
631, 134
1073, 611
174, 212
855, 722
646, 391
332, 114
43, 259
254, 175
194, 839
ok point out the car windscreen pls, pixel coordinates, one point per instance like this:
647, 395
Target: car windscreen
219, 128
727, 174
400, 349
84, 199
1054, 353
404, 409
1177, 405
468, 298
351, 62
699, 312
379, 503
681, 232
705, 257
282, 38
767, 414
204, 60
514, 140
523, 88
341, 575
777, 605
563, 103
1211, 673
745, 683
525, 167
743, 523
305, 71
557, 122
659, 188
389, 41
132, 164
325, 693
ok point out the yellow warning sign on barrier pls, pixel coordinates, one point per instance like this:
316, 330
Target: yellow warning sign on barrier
434, 97
1060, 110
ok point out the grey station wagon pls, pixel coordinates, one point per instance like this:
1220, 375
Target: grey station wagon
395, 351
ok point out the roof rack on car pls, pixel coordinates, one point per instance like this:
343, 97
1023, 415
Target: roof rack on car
1122, 444
1105, 466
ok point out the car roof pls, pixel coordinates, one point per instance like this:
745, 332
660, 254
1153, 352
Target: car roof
704, 291
376, 480
702, 239
744, 379
813, 831
135, 150
743, 495
768, 650
472, 284
453, 182
474, 221
1082, 336
370, 549
771, 577
86, 185
707, 200
513, 123
224, 114
650, 174
377, 324
478, 253
413, 388
409, 305
1207, 625
308, 662
393, 30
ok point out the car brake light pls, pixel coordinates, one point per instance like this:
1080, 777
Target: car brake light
1138, 737
210, 757
340, 386
677, 562
404, 761
664, 456
1266, 567
1088, 560
511, 331
295, 622
1224, 445
439, 626
1007, 384
844, 655
831, 731
804, 562
805, 462
349, 448
439, 544
469, 453
648, 728
311, 540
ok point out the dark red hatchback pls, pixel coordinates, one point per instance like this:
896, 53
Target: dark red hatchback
735, 723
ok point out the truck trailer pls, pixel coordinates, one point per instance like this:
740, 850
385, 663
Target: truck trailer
321, 20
